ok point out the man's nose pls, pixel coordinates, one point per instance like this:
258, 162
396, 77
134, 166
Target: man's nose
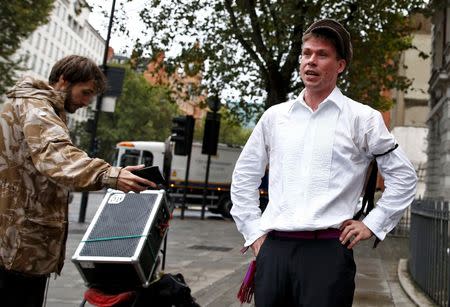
87, 101
312, 60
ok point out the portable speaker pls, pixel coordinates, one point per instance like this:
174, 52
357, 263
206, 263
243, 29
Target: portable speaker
121, 245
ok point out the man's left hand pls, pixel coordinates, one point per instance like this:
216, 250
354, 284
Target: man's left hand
355, 230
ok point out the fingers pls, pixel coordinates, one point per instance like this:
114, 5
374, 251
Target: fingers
353, 232
136, 179
144, 182
256, 246
345, 223
255, 250
356, 238
131, 168
130, 186
128, 182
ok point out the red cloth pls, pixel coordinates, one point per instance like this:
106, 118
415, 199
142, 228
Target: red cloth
245, 293
98, 298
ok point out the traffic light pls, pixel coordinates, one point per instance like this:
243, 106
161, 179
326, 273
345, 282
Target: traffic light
211, 133
182, 134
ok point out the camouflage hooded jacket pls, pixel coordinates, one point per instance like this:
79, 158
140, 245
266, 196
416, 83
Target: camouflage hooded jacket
39, 165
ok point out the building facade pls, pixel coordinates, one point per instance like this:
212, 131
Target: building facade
438, 120
67, 32
408, 117
184, 83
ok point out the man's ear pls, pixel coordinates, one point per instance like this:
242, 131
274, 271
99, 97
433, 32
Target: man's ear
342, 65
62, 84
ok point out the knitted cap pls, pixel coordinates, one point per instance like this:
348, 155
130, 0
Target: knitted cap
330, 27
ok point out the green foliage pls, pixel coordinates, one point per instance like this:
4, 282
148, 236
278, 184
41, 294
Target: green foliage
231, 130
18, 19
252, 48
143, 113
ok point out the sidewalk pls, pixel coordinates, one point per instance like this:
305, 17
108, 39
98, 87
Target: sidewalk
207, 253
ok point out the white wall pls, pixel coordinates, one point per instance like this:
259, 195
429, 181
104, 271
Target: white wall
413, 140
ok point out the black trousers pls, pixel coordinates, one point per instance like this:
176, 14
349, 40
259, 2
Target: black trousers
304, 273
19, 290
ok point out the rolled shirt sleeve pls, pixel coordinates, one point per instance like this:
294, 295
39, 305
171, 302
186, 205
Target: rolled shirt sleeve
400, 179
249, 170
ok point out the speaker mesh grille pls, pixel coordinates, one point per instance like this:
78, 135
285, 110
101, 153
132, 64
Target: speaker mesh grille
128, 218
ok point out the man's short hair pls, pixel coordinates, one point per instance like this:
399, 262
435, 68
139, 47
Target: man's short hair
76, 69
336, 33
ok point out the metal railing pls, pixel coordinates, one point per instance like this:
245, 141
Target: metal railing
403, 226
429, 263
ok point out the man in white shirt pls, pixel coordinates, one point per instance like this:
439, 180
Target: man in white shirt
318, 148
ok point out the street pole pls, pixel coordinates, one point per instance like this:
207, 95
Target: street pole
208, 164
92, 149
205, 187
186, 178
210, 139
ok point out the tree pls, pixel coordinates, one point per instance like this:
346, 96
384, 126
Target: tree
143, 112
18, 19
252, 48
231, 131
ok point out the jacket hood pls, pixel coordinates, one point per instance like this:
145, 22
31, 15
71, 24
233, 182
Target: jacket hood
33, 88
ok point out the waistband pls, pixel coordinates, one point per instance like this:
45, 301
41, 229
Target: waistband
330, 233
5, 272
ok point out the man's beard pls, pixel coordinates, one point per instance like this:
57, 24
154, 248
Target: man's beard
68, 102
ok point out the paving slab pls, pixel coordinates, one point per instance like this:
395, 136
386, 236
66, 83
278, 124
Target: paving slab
207, 253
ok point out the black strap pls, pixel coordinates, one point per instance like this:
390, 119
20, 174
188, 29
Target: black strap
390, 150
369, 191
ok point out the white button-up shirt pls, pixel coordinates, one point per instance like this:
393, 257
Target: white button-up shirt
317, 167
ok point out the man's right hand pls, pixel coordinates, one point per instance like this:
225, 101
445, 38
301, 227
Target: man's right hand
257, 244
128, 182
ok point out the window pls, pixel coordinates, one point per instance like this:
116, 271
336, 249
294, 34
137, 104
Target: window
47, 69
38, 41
44, 45
41, 68
147, 158
130, 157
50, 51
29, 60
33, 63
55, 29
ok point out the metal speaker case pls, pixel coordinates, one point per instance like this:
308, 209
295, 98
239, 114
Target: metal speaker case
121, 245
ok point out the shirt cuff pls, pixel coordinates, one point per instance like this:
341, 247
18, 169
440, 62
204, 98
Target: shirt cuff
378, 223
252, 232
109, 178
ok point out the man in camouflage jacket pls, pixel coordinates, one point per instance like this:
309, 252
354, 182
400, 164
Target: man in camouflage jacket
39, 165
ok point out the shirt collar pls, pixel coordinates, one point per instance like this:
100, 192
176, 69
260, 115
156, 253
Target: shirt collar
335, 97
